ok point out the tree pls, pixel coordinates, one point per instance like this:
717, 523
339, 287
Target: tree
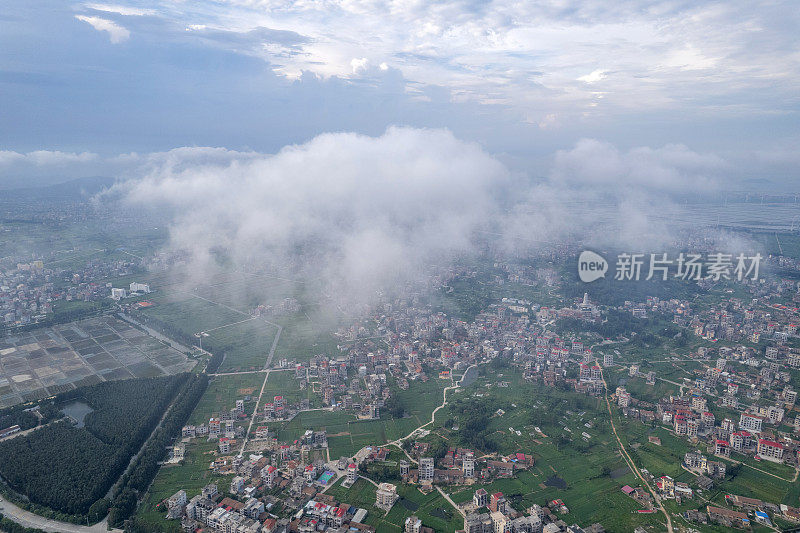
98, 510
124, 506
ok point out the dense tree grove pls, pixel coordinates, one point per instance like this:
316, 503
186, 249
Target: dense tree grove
111, 421
473, 422
17, 415
68, 469
144, 468
394, 407
608, 291
23, 416
60, 466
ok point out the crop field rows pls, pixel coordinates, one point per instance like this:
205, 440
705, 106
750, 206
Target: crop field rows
47, 361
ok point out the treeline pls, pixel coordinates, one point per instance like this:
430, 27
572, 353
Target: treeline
611, 292
9, 526
22, 416
140, 525
67, 469
213, 363
165, 328
394, 406
135, 482
621, 323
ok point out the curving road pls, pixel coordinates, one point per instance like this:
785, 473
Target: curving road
28, 519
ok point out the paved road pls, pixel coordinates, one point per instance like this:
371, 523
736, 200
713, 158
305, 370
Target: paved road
263, 385
28, 519
628, 458
450, 501
399, 441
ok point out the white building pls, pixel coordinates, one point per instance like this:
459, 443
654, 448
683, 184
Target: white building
176, 504
750, 422
412, 525
140, 287
118, 294
385, 496
468, 465
426, 470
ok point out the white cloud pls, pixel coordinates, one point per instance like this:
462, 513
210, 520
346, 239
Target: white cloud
116, 33
29, 169
672, 168
593, 77
536, 55
361, 214
126, 11
359, 64
373, 212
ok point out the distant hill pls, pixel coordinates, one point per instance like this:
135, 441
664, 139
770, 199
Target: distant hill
74, 190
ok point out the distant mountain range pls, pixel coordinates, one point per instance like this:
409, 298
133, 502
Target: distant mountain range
77, 189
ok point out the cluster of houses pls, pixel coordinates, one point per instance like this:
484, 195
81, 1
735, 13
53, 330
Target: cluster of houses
401, 339
28, 290
757, 431
492, 513
743, 513
460, 466
212, 512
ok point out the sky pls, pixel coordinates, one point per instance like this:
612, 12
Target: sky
103, 88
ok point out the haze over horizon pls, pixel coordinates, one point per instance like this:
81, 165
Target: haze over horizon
707, 85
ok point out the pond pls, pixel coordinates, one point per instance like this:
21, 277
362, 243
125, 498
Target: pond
77, 411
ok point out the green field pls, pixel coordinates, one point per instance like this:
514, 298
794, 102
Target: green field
347, 434
591, 468
191, 475
221, 311
222, 393
432, 509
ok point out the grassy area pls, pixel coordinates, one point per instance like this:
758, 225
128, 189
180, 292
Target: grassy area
347, 434
588, 468
246, 344
362, 495
193, 472
191, 475
245, 341
742, 479
432, 509
302, 339
222, 393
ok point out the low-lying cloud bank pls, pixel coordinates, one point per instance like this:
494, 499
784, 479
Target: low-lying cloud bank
359, 214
